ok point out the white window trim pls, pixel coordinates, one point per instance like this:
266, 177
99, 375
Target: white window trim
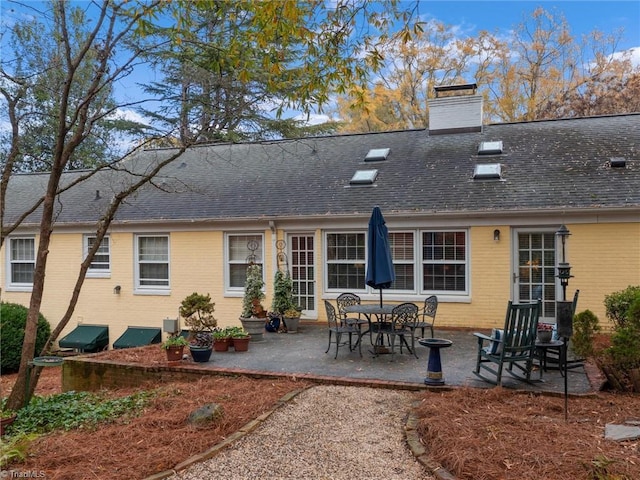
18, 287
467, 264
239, 291
155, 289
95, 273
414, 262
325, 257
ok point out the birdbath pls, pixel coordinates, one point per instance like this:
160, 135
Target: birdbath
47, 361
434, 367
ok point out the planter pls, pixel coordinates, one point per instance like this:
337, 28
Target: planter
544, 336
254, 326
5, 422
221, 344
200, 354
241, 344
292, 324
174, 354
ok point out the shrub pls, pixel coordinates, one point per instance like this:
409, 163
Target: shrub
617, 304
585, 326
13, 321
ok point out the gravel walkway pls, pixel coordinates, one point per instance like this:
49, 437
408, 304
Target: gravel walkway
325, 432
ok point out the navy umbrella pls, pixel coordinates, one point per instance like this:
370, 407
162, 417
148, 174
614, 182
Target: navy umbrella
380, 273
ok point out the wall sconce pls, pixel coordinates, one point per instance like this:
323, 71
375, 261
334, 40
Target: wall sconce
116, 289
496, 235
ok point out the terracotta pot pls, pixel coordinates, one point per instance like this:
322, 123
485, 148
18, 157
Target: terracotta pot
241, 344
174, 354
221, 344
5, 422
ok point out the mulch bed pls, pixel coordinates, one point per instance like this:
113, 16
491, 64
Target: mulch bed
473, 433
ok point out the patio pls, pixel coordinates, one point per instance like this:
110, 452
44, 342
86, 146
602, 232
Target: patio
303, 354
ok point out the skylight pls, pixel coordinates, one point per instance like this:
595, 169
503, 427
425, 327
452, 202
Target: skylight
617, 162
488, 170
363, 177
490, 148
377, 154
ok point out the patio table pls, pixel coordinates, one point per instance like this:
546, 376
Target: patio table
379, 312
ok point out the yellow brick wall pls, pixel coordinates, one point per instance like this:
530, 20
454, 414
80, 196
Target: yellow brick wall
605, 258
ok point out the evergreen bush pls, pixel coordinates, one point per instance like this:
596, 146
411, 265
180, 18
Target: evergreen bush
13, 319
585, 326
617, 304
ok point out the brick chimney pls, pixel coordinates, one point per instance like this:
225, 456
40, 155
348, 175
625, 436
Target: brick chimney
456, 109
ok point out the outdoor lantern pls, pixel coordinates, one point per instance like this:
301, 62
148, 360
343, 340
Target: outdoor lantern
564, 308
564, 269
496, 235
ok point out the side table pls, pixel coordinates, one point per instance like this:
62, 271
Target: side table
541, 353
434, 366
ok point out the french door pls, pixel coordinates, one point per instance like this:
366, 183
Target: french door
302, 254
534, 272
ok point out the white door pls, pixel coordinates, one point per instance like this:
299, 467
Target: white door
534, 272
302, 254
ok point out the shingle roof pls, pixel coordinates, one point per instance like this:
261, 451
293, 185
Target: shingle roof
546, 166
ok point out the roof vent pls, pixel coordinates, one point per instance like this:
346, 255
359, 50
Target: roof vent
377, 154
363, 177
487, 171
618, 162
490, 148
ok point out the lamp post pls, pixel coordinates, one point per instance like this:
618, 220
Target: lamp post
564, 310
564, 269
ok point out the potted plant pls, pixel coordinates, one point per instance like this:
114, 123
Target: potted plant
292, 318
254, 315
197, 310
221, 339
239, 339
545, 332
7, 417
283, 303
174, 346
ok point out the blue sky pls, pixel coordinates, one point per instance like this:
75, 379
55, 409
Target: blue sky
469, 17
582, 16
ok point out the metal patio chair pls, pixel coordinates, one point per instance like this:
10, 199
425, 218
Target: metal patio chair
337, 329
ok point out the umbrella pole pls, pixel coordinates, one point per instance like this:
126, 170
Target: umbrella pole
381, 297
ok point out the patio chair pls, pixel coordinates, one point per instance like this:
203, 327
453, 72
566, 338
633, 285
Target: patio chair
346, 300
403, 323
338, 329
554, 354
428, 315
514, 347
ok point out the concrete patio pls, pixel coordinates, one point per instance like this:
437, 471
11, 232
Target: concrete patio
303, 354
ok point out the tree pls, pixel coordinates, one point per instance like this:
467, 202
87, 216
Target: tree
540, 71
92, 56
33, 78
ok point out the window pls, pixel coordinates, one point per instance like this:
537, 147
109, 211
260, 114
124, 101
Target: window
242, 250
345, 254
402, 252
101, 264
152, 263
444, 261
22, 261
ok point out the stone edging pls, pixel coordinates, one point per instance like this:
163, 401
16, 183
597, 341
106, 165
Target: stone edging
237, 435
420, 452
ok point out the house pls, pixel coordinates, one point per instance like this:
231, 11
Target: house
472, 211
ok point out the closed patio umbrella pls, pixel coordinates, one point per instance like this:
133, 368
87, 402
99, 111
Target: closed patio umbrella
380, 273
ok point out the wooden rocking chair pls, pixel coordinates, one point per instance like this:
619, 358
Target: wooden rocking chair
514, 346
